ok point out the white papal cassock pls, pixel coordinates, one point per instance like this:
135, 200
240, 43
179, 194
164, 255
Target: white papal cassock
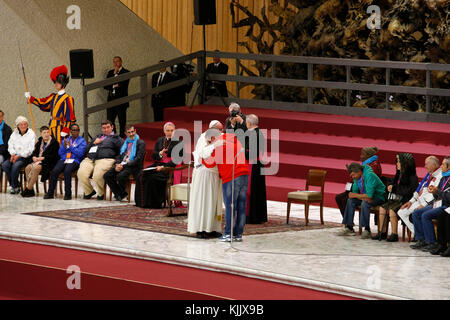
205, 201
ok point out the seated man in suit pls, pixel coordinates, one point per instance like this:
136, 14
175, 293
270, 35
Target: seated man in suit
117, 91
129, 162
216, 88
101, 157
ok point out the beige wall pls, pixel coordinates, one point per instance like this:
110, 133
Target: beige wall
107, 26
173, 19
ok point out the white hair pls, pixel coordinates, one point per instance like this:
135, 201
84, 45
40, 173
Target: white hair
253, 119
234, 106
171, 124
433, 159
21, 119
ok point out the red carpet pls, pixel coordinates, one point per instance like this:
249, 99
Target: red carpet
31, 271
309, 140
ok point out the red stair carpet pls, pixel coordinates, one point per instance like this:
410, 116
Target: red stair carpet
320, 141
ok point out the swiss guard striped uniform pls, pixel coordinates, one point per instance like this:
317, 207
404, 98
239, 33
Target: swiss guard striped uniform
61, 110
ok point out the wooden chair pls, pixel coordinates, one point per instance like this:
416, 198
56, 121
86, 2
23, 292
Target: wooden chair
131, 181
307, 197
3, 183
178, 192
61, 180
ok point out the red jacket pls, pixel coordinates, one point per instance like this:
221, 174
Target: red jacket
223, 157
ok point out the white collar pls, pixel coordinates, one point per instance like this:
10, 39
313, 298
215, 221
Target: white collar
61, 92
162, 73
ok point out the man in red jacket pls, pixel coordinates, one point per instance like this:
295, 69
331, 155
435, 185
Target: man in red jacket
227, 153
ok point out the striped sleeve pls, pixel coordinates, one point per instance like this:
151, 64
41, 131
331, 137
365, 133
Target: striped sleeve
69, 113
44, 104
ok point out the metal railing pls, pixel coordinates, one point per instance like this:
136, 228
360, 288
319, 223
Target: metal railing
200, 56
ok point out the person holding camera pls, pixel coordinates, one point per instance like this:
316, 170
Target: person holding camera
401, 189
237, 119
181, 71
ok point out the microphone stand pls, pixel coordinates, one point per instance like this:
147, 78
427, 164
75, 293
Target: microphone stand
232, 202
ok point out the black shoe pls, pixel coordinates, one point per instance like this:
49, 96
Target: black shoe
213, 234
120, 198
201, 235
430, 247
89, 196
48, 196
419, 245
446, 253
380, 236
27, 193
440, 249
392, 238
101, 198
66, 197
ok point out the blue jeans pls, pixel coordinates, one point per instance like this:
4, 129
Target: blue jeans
12, 171
240, 205
423, 224
350, 208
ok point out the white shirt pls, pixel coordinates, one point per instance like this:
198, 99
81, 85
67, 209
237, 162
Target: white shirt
161, 77
22, 145
61, 92
115, 75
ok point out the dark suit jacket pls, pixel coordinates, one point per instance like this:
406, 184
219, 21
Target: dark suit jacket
162, 99
138, 161
7, 132
222, 68
121, 91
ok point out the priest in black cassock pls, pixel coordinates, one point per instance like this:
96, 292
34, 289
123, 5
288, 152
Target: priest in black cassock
254, 150
151, 184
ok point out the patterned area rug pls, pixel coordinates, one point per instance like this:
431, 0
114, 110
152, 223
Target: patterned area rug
156, 220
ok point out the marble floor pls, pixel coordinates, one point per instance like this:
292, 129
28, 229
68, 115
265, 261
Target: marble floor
316, 259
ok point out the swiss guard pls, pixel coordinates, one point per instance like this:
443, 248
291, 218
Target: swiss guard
60, 105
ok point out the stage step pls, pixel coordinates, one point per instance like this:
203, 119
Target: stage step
349, 126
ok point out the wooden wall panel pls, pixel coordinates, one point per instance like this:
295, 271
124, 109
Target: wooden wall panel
174, 20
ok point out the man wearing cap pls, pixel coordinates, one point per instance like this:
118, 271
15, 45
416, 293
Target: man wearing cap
60, 105
205, 201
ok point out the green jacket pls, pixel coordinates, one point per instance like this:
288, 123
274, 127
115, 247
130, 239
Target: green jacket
372, 185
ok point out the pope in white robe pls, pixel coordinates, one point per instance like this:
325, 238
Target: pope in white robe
205, 201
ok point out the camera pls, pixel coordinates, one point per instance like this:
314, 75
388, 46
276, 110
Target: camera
234, 113
183, 69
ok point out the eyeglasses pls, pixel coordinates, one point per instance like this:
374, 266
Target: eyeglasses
75, 130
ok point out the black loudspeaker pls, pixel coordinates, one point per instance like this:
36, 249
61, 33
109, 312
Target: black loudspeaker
82, 64
204, 12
